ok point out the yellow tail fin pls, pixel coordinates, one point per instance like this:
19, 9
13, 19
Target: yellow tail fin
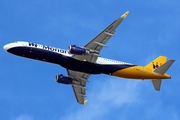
157, 62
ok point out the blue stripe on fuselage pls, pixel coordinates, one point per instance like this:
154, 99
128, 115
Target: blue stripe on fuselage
65, 61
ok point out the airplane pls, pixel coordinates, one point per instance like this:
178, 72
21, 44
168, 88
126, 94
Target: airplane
81, 62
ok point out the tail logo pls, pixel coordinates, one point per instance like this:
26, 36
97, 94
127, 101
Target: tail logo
155, 66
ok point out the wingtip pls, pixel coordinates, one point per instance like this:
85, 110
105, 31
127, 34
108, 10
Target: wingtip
85, 102
125, 14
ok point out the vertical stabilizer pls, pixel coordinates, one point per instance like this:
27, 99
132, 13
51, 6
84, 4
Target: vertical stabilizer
157, 62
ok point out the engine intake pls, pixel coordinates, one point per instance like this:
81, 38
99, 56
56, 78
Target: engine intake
63, 79
73, 49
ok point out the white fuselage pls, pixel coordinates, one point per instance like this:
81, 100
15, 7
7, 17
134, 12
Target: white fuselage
100, 60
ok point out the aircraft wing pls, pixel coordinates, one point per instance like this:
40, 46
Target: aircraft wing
79, 86
96, 44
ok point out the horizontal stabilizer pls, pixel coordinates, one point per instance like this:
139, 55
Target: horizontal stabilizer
157, 84
162, 69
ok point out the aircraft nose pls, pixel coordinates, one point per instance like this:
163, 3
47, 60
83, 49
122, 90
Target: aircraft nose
6, 47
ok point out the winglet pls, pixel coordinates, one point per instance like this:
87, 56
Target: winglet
125, 14
85, 102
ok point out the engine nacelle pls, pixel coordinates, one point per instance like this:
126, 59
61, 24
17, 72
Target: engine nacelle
73, 49
63, 79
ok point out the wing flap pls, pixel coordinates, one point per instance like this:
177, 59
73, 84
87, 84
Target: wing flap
80, 86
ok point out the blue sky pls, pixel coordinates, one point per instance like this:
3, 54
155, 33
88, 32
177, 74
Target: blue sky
28, 90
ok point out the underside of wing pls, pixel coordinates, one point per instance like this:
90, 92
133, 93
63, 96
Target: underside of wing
79, 86
96, 44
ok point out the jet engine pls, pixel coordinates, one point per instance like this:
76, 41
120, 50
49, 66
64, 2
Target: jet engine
63, 79
73, 49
